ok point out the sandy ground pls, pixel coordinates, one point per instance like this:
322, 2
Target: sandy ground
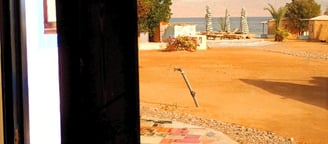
253, 86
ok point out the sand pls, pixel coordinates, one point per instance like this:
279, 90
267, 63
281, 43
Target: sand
282, 87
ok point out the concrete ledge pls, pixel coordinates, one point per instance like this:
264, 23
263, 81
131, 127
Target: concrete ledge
238, 43
152, 46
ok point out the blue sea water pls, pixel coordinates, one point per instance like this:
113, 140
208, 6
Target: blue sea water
254, 23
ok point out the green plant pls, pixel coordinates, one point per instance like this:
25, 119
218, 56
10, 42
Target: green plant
222, 24
278, 15
182, 43
298, 10
144, 7
151, 13
281, 34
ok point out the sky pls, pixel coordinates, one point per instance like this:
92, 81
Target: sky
197, 8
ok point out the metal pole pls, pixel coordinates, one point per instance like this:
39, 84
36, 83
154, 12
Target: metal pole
192, 92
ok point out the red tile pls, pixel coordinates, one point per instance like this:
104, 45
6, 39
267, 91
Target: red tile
166, 141
192, 136
178, 131
187, 140
162, 129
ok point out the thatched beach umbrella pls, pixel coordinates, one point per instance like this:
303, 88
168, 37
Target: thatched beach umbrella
227, 21
243, 22
208, 17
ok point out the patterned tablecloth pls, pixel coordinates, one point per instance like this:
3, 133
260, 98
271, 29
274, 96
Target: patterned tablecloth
168, 132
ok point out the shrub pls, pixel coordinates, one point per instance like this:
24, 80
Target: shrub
182, 43
281, 35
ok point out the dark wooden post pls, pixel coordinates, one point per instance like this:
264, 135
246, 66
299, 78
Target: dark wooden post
14, 72
98, 63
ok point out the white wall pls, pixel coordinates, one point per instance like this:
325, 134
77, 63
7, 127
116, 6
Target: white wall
42, 61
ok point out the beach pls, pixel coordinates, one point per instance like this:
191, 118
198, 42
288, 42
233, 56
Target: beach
255, 25
281, 87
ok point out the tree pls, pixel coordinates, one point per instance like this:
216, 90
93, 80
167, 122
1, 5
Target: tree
278, 15
227, 21
298, 10
326, 12
221, 23
144, 7
160, 11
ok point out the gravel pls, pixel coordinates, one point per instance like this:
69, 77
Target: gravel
300, 53
239, 133
267, 46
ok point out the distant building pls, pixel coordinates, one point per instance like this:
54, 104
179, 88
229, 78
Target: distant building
174, 30
318, 28
285, 24
144, 37
159, 32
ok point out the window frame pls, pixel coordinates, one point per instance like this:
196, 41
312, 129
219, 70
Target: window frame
50, 27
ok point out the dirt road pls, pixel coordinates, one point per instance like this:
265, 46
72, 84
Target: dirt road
267, 88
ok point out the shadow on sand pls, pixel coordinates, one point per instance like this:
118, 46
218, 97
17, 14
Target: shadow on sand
315, 93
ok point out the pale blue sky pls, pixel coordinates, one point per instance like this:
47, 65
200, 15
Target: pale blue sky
196, 8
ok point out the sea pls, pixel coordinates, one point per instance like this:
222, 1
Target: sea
255, 24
